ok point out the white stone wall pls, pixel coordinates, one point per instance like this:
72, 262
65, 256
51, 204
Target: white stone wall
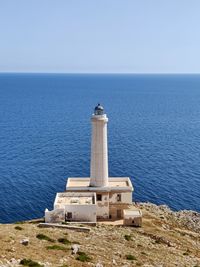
84, 213
103, 207
126, 197
133, 221
54, 216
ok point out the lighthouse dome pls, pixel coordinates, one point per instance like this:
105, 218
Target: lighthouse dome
99, 110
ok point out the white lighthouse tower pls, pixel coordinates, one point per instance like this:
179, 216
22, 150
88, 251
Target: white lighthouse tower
87, 199
99, 149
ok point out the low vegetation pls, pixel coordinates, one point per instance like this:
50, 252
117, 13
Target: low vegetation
127, 237
18, 228
20, 222
30, 263
64, 241
37, 221
82, 256
130, 257
45, 237
56, 247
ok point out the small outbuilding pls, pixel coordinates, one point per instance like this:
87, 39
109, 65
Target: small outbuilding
73, 207
132, 217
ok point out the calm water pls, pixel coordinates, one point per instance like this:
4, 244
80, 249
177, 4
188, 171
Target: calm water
154, 137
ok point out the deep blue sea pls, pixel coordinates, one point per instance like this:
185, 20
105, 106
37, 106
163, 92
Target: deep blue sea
153, 137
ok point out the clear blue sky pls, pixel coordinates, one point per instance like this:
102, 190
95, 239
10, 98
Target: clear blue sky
137, 36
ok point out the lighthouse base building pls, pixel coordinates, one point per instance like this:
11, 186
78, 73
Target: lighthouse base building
98, 197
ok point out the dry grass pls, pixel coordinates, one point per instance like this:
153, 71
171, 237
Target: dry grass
158, 242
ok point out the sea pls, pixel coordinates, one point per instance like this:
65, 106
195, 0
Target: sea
45, 135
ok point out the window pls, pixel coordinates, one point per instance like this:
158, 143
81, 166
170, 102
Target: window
99, 197
119, 198
68, 216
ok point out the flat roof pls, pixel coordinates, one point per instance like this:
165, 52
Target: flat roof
118, 183
114, 183
76, 198
132, 213
74, 182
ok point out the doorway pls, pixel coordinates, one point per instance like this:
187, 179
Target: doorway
68, 216
119, 214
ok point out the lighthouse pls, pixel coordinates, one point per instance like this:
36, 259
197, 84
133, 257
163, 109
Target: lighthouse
88, 199
99, 149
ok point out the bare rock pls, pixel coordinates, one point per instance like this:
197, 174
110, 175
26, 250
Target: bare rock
114, 262
25, 241
75, 248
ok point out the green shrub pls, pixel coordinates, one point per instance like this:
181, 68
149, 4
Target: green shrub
64, 241
127, 237
30, 263
18, 228
83, 257
56, 247
21, 222
130, 257
44, 237
37, 221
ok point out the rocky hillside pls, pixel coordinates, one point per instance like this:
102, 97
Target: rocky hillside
166, 239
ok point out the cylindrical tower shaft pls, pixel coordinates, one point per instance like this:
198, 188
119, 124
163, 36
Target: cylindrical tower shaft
99, 149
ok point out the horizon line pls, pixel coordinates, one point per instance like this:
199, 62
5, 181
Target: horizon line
103, 73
